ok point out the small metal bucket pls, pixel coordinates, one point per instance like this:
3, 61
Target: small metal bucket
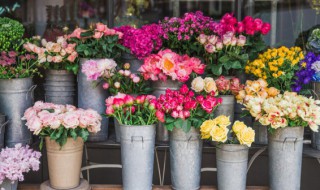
232, 163
90, 96
285, 157
8, 185
160, 88
261, 133
135, 63
137, 156
185, 159
3, 124
16, 95
60, 87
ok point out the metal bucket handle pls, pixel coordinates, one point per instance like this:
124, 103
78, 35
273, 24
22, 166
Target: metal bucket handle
137, 138
3, 125
290, 139
31, 90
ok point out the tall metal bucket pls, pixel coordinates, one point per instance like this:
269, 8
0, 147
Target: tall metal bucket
285, 157
60, 87
160, 88
135, 63
117, 130
261, 133
3, 123
238, 115
226, 108
232, 163
90, 96
137, 156
185, 159
8, 185
16, 95
315, 136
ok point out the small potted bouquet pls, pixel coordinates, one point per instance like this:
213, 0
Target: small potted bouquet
59, 59
182, 113
137, 117
14, 163
99, 49
64, 129
141, 42
17, 68
232, 150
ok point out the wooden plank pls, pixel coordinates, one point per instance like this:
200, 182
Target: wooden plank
118, 187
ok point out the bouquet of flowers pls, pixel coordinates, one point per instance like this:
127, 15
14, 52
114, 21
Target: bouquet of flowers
285, 110
16, 161
257, 88
129, 110
179, 34
220, 86
143, 41
60, 122
57, 55
277, 66
183, 109
170, 64
123, 81
217, 130
313, 43
11, 33
97, 69
100, 42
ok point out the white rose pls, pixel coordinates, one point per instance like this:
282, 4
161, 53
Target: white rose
197, 84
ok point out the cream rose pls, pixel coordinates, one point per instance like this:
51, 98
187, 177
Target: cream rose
219, 134
209, 85
197, 84
246, 136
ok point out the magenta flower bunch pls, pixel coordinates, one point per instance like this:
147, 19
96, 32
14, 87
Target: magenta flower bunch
143, 41
16, 161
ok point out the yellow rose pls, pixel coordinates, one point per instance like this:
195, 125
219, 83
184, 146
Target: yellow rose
246, 136
222, 121
197, 84
206, 127
238, 126
209, 85
219, 134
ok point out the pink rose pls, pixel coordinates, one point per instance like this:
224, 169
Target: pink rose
223, 84
186, 114
136, 79
109, 110
57, 59
227, 38
213, 39
210, 48
105, 86
266, 27
241, 40
240, 27
175, 114
234, 41
258, 24
128, 100
97, 35
200, 98
202, 38
207, 106
219, 45
101, 27
70, 120
160, 116
184, 89
76, 33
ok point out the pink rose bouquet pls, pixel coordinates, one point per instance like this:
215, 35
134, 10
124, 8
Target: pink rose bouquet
58, 55
129, 110
170, 64
99, 42
16, 161
228, 87
60, 122
124, 81
183, 109
96, 69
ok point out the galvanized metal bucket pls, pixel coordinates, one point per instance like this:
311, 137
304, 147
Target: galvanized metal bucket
285, 157
16, 95
226, 107
117, 130
137, 156
160, 88
3, 124
185, 159
232, 163
8, 185
60, 87
238, 115
135, 63
91, 96
261, 136
315, 136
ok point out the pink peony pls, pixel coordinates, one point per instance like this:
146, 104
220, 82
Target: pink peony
70, 120
34, 124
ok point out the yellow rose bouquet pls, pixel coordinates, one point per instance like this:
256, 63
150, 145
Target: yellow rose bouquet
217, 130
277, 66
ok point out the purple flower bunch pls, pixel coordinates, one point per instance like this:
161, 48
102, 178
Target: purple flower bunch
143, 41
16, 161
191, 24
306, 72
8, 58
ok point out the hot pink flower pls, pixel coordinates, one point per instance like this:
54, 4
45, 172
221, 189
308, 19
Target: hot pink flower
160, 116
109, 110
128, 100
266, 27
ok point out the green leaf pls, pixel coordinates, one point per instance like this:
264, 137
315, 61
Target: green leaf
216, 69
236, 65
179, 123
224, 59
86, 34
170, 126
169, 119
186, 125
73, 134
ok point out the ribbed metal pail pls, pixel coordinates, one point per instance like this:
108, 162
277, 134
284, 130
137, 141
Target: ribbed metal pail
285, 157
137, 156
91, 96
16, 95
2, 129
261, 133
232, 162
60, 87
160, 88
8, 185
185, 159
226, 108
